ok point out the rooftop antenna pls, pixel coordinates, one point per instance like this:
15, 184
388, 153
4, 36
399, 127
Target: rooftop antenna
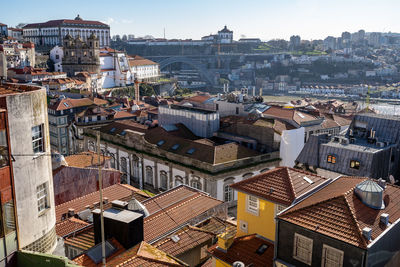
164, 32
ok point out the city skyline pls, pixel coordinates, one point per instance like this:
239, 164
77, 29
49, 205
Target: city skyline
309, 19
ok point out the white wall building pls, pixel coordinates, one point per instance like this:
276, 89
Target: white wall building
30, 147
52, 32
201, 122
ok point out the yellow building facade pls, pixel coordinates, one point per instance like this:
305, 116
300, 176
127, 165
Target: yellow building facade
249, 221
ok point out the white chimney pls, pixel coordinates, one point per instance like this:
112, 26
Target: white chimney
367, 233
385, 219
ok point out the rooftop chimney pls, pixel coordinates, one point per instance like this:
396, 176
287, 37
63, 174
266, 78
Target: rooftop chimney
367, 233
385, 219
124, 225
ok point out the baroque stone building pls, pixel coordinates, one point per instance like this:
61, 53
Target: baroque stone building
80, 55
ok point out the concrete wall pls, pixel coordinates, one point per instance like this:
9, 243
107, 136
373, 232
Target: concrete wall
292, 142
25, 111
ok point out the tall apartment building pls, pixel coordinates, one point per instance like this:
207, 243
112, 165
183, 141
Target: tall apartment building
52, 32
24, 116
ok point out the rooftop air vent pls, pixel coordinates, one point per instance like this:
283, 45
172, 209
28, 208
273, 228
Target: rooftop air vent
345, 141
371, 194
385, 218
238, 264
367, 232
175, 238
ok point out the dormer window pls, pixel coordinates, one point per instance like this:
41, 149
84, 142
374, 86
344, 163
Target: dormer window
175, 147
355, 164
331, 159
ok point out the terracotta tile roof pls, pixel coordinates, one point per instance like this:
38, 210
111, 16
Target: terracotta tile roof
114, 192
288, 114
85, 260
198, 98
69, 226
218, 226
85, 159
203, 152
99, 101
69, 103
123, 114
337, 212
12, 88
181, 203
189, 238
282, 185
122, 125
83, 239
62, 22
140, 61
244, 249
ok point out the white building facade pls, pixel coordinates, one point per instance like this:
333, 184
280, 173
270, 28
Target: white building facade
52, 32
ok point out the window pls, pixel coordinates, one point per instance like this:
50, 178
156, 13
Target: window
331, 159
164, 180
37, 139
228, 193
302, 248
191, 151
73, 252
252, 205
237, 111
354, 164
279, 208
149, 175
178, 180
196, 184
160, 143
42, 198
3, 143
216, 106
331, 257
175, 147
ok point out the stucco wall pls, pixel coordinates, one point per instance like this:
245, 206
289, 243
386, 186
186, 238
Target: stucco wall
25, 111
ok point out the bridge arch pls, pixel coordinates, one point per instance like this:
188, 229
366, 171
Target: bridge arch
204, 73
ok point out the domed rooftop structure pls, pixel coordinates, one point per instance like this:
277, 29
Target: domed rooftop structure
371, 194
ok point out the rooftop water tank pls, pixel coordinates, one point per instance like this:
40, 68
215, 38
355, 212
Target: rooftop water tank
371, 194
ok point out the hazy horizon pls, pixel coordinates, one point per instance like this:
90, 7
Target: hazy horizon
263, 19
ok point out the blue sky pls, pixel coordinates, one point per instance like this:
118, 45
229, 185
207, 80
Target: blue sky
266, 19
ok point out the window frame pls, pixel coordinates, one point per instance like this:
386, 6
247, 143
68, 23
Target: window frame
255, 209
357, 165
38, 139
278, 208
325, 249
331, 159
42, 199
228, 191
297, 238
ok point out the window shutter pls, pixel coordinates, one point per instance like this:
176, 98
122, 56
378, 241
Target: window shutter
323, 262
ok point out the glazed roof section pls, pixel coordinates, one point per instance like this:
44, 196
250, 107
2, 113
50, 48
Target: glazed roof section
282, 185
337, 212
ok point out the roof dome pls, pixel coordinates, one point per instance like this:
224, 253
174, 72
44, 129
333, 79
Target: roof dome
371, 194
78, 18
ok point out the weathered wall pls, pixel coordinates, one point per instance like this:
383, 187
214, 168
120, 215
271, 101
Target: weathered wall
25, 111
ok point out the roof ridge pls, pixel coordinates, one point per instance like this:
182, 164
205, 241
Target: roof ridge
92, 193
359, 231
291, 183
256, 177
150, 218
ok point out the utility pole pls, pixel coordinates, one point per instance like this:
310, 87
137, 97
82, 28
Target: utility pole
103, 244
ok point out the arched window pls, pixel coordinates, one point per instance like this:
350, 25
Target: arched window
124, 169
264, 170
178, 180
248, 175
196, 184
112, 160
228, 193
163, 180
149, 175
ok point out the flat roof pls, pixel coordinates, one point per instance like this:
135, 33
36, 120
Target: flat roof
121, 215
